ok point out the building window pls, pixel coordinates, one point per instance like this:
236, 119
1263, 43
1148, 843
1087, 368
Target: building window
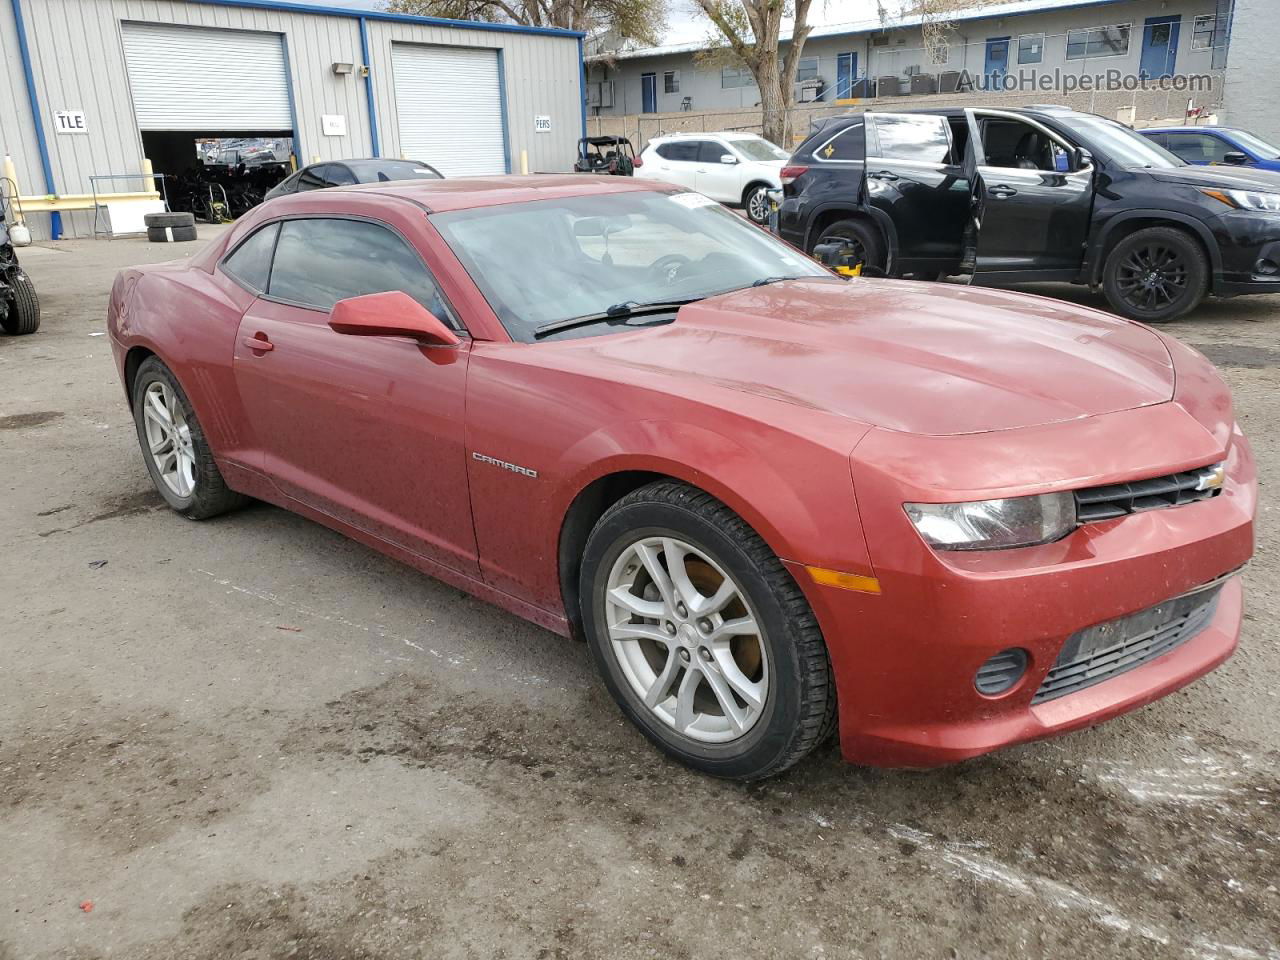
1031, 48
671, 81
1098, 42
731, 77
1202, 33
806, 69
940, 55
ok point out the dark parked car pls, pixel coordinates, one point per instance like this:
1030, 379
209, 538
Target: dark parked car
1211, 145
19, 306
341, 173
1035, 194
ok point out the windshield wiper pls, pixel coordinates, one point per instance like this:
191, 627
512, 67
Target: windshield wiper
618, 312
765, 281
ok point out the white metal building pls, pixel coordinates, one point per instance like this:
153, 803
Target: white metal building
90, 87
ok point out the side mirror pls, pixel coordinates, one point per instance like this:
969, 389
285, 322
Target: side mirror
1084, 159
728, 158
1236, 159
393, 314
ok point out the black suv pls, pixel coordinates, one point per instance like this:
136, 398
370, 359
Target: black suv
1039, 193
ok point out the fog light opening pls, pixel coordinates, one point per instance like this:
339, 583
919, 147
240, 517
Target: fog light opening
1002, 672
1266, 267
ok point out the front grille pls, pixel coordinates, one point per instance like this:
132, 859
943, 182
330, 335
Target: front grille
1119, 499
1104, 651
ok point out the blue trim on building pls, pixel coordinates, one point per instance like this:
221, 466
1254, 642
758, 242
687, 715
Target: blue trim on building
392, 17
368, 88
502, 107
582, 85
293, 111
55, 218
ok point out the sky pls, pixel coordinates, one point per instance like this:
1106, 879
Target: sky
686, 25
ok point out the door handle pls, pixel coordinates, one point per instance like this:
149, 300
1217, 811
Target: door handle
1002, 191
883, 175
259, 343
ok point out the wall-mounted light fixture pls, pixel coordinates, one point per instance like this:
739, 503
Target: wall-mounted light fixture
342, 69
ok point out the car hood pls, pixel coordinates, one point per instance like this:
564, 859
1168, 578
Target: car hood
921, 358
1236, 178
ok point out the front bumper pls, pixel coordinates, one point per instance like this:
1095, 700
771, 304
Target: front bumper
906, 659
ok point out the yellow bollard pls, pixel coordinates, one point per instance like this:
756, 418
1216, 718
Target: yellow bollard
524, 161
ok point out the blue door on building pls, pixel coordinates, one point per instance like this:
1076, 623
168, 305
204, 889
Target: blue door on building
1160, 46
997, 64
648, 93
846, 73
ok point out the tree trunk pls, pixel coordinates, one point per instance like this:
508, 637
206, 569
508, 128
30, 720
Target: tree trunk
774, 105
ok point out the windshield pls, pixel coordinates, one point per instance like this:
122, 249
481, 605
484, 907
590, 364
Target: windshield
547, 261
1118, 142
755, 148
1259, 146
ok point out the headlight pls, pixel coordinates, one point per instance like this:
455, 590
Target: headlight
1246, 199
995, 524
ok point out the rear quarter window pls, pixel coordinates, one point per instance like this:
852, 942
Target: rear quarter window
249, 264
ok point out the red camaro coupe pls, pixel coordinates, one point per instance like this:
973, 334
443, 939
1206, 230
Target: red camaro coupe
774, 502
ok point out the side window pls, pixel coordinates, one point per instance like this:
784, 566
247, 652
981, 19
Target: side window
919, 137
338, 175
679, 150
321, 261
710, 152
1011, 143
848, 144
312, 178
250, 263
289, 184
1198, 147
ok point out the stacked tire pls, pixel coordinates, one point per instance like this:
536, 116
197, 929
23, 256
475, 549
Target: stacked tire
23, 315
170, 227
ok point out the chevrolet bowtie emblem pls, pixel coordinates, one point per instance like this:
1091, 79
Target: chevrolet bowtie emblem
1212, 478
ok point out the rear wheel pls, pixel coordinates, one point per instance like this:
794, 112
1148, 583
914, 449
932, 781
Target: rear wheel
702, 636
861, 239
174, 447
756, 203
23, 315
1155, 275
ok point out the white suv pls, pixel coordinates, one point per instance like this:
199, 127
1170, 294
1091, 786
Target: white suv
734, 168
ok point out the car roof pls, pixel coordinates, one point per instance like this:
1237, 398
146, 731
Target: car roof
1212, 129
465, 193
701, 134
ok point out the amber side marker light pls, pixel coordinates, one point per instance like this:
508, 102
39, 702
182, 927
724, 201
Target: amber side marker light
845, 581
1221, 197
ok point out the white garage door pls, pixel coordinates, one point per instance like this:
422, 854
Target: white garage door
195, 78
449, 104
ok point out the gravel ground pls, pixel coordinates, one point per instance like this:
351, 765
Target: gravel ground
251, 738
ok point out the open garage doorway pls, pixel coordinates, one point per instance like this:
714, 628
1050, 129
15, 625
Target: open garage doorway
214, 112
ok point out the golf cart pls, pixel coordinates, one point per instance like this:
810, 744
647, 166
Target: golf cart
19, 307
613, 156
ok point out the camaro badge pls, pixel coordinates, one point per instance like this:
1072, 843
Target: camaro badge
513, 467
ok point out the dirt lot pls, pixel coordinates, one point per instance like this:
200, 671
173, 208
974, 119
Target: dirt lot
250, 738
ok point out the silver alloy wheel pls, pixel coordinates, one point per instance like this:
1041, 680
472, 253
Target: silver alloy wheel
169, 438
687, 641
758, 205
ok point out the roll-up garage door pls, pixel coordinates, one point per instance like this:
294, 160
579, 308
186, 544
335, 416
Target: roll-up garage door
449, 104
196, 78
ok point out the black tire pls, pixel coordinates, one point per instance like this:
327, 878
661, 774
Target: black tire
799, 708
755, 203
169, 219
23, 315
210, 494
862, 236
1156, 275
171, 234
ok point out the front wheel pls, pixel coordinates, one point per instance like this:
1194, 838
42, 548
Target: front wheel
23, 315
702, 636
1155, 275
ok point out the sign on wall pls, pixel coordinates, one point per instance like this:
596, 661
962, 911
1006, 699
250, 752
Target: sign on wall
69, 121
333, 125
542, 124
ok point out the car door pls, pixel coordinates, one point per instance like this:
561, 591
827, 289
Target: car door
714, 175
1031, 216
912, 177
677, 162
366, 429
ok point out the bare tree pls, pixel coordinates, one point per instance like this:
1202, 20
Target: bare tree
750, 33
643, 21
